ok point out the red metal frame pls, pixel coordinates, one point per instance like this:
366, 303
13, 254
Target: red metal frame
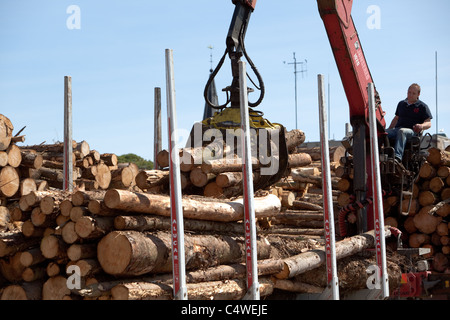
349, 55
411, 285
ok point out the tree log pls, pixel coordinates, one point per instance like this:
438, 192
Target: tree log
92, 228
437, 157
136, 253
294, 138
193, 209
15, 241
9, 181
14, 156
147, 179
215, 290
309, 260
296, 160
6, 129
149, 223
425, 222
23, 291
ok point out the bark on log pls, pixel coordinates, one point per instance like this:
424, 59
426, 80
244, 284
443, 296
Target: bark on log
294, 138
149, 223
303, 262
438, 157
218, 290
193, 209
23, 291
296, 160
136, 253
12, 242
147, 179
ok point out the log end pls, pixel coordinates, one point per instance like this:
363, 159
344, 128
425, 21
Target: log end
112, 198
283, 274
114, 253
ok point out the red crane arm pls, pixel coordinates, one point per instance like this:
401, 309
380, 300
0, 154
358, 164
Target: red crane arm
349, 55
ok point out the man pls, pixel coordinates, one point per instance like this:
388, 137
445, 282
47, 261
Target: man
411, 118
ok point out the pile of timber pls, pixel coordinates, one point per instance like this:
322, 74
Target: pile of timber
114, 241
123, 250
91, 170
214, 171
427, 223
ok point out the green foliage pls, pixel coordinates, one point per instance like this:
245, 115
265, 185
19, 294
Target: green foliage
139, 161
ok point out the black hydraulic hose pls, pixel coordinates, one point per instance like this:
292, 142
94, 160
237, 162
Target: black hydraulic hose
211, 78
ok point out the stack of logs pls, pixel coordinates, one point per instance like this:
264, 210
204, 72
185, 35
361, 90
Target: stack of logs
113, 241
427, 223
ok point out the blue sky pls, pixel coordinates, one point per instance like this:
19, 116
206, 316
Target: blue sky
116, 59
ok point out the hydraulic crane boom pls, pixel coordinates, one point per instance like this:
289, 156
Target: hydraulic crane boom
355, 76
349, 55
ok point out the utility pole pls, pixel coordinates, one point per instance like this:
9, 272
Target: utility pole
436, 66
302, 70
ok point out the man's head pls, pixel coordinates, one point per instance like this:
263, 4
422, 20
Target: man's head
413, 93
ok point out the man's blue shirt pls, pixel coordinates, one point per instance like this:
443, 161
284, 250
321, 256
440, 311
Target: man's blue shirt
411, 114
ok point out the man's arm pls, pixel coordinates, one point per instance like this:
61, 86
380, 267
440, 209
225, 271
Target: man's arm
393, 123
422, 126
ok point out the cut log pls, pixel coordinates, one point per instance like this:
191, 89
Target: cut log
103, 176
14, 156
296, 160
438, 157
199, 178
110, 159
427, 171
12, 242
23, 291
6, 129
312, 259
193, 209
53, 247
437, 184
137, 253
31, 257
148, 223
79, 251
82, 198
214, 290
294, 138
92, 228
146, 179
55, 288
425, 222
9, 181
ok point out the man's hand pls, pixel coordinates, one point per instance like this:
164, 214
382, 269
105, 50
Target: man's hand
418, 128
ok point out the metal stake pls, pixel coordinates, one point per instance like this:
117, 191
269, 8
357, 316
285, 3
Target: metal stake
249, 212
157, 145
332, 289
68, 150
380, 244
177, 226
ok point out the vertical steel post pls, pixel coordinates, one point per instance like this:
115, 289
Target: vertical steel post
176, 209
249, 211
68, 150
378, 214
330, 243
157, 145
